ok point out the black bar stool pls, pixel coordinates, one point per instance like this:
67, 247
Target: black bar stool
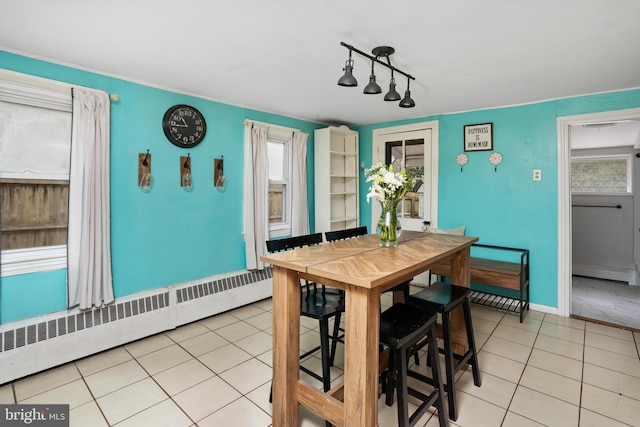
403, 329
444, 298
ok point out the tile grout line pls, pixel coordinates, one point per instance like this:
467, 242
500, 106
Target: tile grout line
93, 397
635, 339
522, 374
242, 395
218, 374
581, 381
584, 353
156, 382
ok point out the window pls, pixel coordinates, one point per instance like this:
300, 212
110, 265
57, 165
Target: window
35, 135
275, 187
409, 154
602, 175
280, 157
34, 142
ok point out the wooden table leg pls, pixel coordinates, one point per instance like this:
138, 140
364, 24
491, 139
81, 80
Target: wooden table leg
461, 276
460, 271
362, 336
286, 345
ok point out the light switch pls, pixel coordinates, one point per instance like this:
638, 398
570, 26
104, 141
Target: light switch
537, 174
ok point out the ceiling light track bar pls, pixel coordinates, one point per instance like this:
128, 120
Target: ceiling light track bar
374, 58
384, 52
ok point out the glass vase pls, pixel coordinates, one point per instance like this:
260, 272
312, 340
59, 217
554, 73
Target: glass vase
388, 227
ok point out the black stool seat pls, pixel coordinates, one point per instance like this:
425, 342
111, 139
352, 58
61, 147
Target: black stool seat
440, 297
401, 324
444, 298
403, 329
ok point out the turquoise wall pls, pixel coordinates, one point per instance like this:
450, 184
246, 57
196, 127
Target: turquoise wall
506, 207
168, 235
30, 295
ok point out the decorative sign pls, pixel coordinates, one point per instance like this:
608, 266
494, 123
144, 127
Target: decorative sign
478, 137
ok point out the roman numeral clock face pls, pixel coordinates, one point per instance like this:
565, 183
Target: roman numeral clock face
184, 126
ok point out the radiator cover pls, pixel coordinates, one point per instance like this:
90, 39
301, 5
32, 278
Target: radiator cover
33, 345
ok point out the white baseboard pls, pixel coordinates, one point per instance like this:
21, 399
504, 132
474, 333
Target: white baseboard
36, 344
543, 309
628, 275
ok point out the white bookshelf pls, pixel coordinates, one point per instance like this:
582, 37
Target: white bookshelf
336, 179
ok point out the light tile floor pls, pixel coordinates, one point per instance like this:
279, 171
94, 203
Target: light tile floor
606, 301
547, 371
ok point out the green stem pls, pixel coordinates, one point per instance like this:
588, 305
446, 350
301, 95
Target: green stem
387, 225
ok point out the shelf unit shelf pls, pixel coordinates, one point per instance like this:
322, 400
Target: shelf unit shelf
336, 179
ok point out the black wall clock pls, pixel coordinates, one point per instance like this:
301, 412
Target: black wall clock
184, 126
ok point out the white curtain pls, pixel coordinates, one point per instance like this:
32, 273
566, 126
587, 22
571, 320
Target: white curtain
299, 202
256, 182
89, 241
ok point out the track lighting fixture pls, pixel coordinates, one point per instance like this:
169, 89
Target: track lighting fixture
407, 102
392, 95
373, 88
348, 79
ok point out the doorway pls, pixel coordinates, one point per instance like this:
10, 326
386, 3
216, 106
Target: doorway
565, 220
414, 147
411, 146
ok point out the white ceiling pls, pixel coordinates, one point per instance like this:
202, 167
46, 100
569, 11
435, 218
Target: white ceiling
284, 56
605, 135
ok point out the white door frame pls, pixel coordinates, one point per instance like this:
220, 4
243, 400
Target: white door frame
564, 195
378, 134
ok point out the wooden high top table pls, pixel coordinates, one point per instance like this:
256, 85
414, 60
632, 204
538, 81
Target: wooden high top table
363, 269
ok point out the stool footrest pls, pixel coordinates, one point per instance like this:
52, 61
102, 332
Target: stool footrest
426, 400
310, 372
462, 360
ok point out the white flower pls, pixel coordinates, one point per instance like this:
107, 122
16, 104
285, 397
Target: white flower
392, 179
388, 186
375, 192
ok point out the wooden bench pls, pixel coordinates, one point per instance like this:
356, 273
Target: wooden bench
500, 274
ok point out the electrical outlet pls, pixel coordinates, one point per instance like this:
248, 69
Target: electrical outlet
537, 174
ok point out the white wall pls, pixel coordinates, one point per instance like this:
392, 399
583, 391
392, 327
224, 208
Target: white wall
605, 238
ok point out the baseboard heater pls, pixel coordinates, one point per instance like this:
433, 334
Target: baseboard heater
33, 345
